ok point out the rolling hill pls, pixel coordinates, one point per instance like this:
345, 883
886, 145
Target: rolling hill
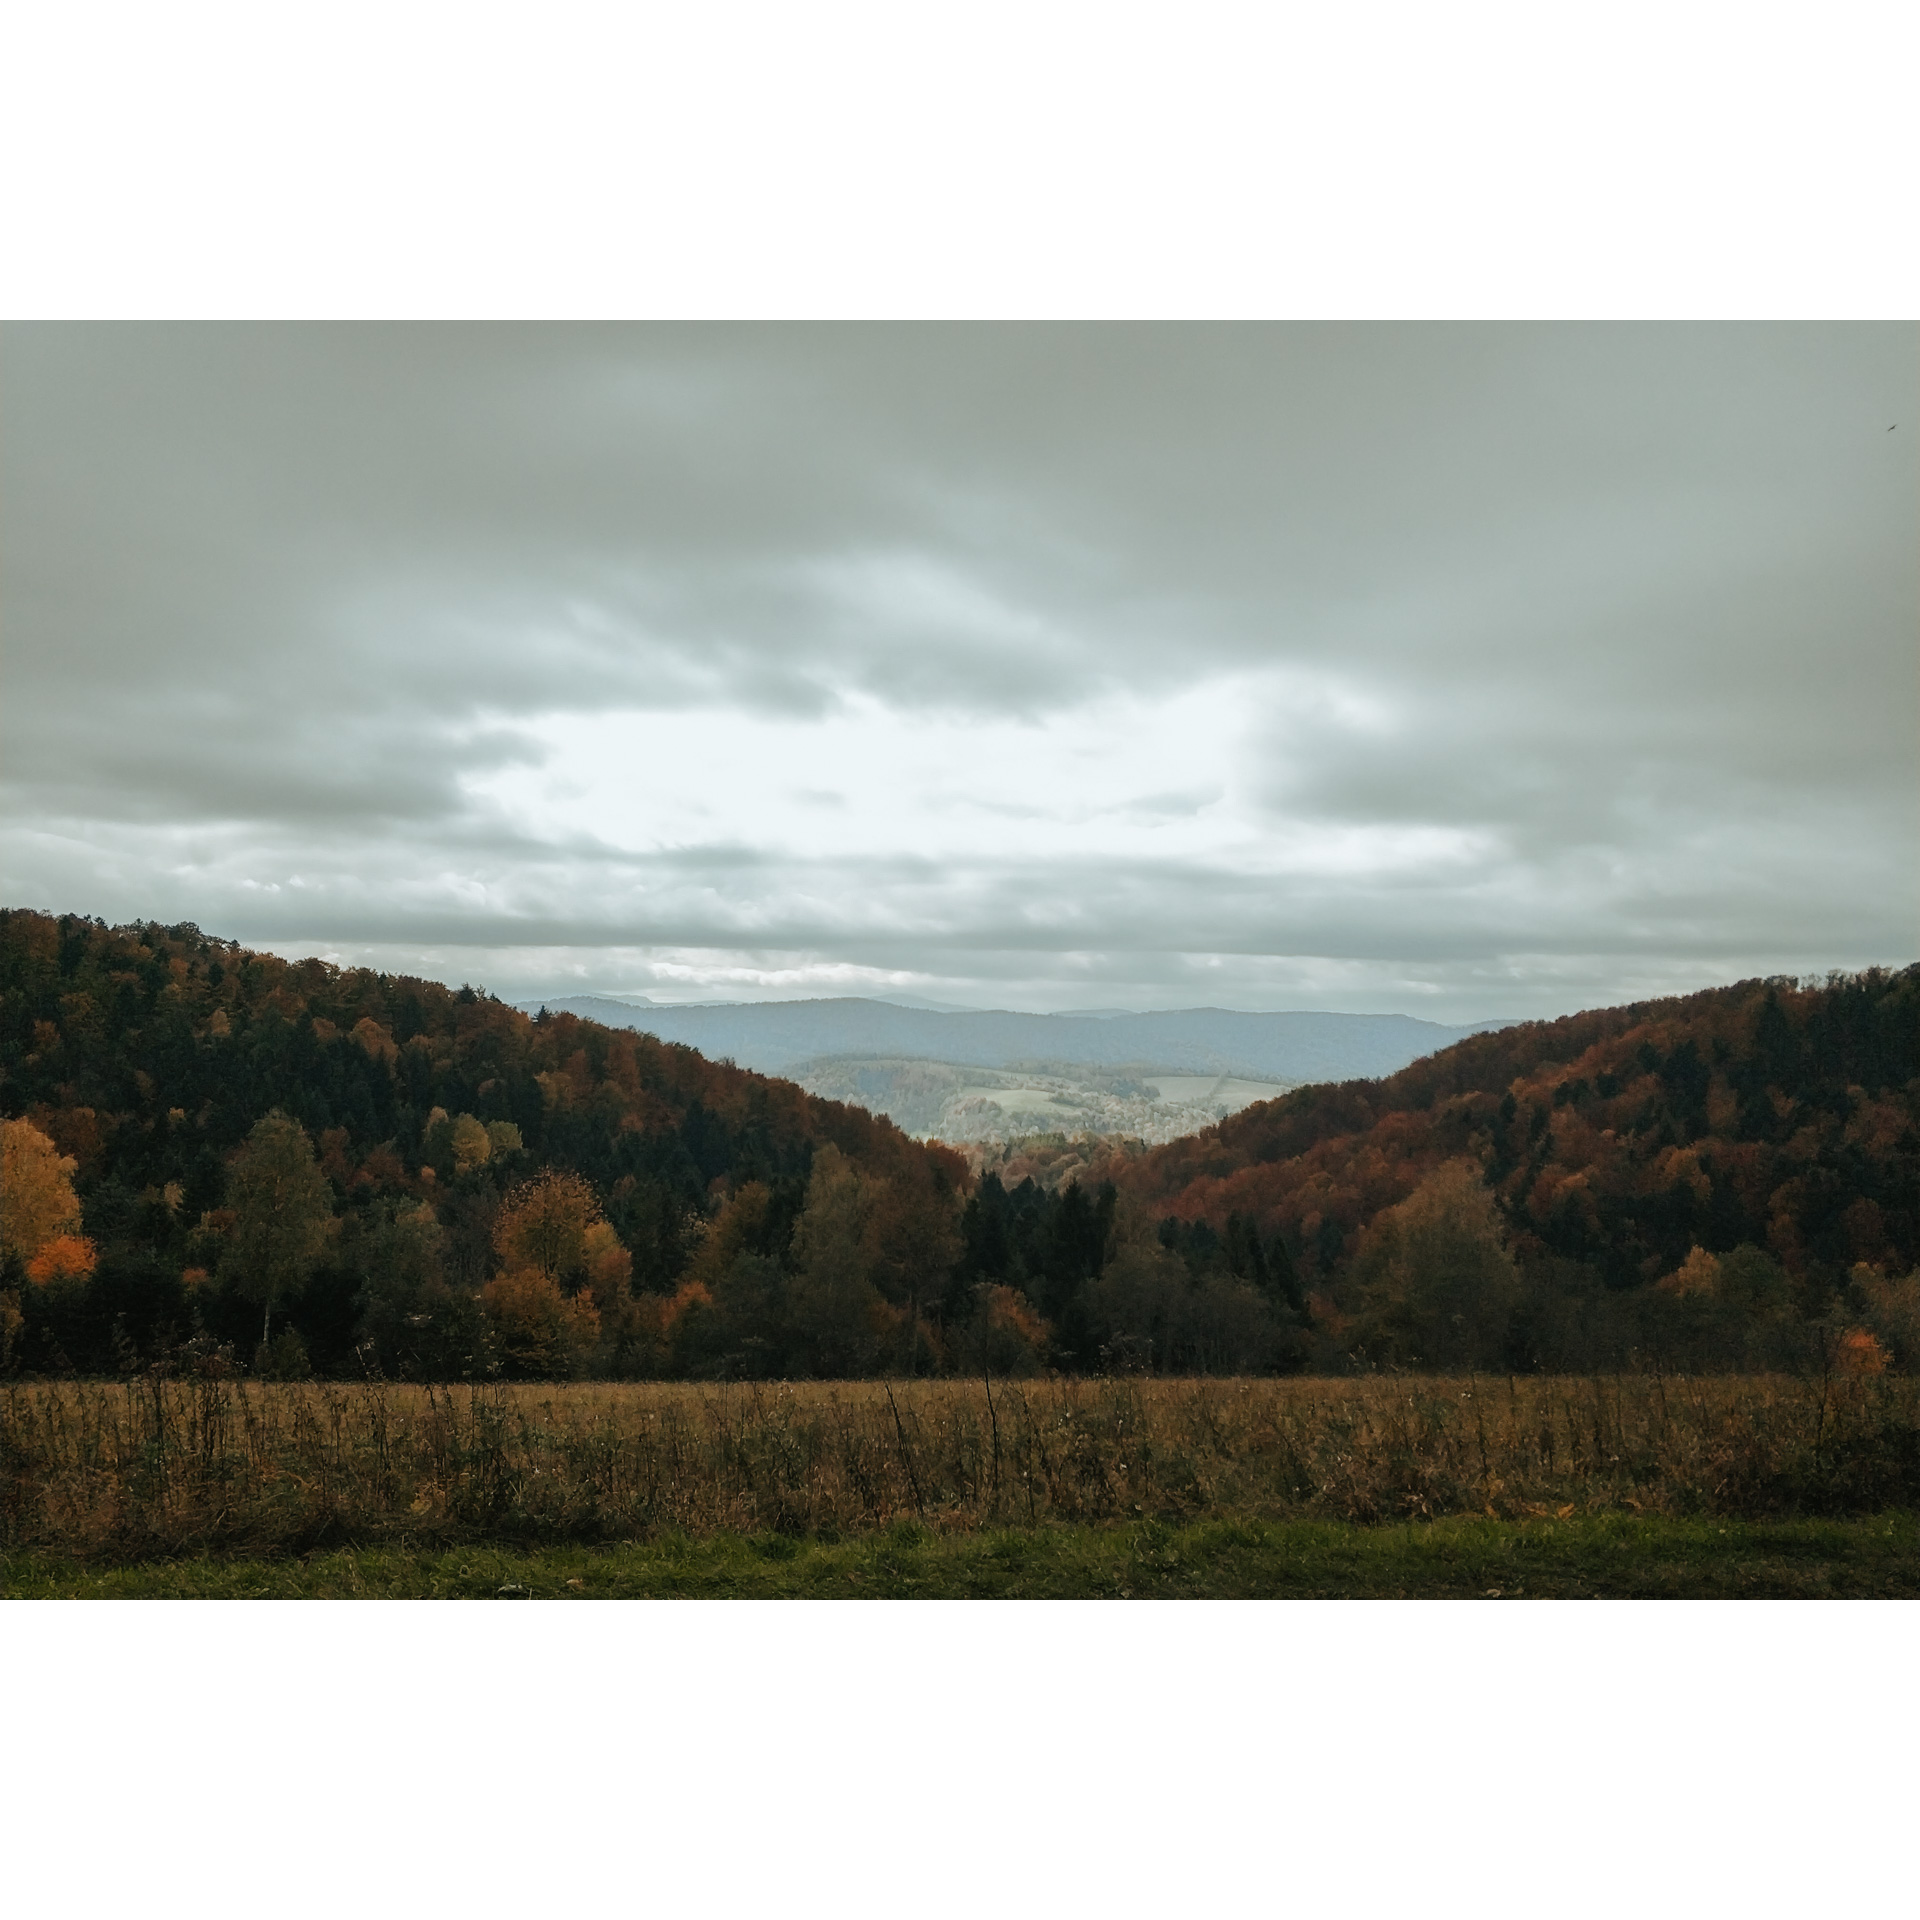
1769, 1114
778, 1036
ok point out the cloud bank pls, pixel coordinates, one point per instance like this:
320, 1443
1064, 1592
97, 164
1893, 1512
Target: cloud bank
1456, 670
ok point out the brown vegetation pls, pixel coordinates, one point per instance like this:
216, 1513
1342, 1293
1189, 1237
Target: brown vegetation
164, 1466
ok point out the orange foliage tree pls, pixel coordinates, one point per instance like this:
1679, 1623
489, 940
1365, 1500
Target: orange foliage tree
67, 1256
1004, 1334
39, 1211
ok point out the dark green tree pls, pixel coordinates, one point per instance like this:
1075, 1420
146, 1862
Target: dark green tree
282, 1207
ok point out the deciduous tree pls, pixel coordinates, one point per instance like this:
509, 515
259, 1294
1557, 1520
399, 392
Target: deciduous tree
544, 1225
1436, 1284
838, 1315
282, 1207
38, 1206
539, 1330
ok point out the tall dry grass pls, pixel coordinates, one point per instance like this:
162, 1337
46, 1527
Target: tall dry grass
164, 1466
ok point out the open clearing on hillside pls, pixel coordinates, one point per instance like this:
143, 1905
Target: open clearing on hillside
1225, 1093
1053, 1102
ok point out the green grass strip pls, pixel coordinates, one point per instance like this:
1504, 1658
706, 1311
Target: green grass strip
1589, 1557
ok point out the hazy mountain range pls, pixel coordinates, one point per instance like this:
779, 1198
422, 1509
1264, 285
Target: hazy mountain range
775, 1037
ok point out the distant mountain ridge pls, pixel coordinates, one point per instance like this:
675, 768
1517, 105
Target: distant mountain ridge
776, 1036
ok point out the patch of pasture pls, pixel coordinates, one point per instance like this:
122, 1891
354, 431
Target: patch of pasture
1215, 1091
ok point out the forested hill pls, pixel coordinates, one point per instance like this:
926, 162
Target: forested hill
148, 1053
204, 1144
1779, 1116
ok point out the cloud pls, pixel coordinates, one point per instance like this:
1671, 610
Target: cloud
1494, 668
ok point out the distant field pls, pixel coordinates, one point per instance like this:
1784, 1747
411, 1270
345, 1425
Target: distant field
1197, 1089
155, 1472
1046, 1100
944, 1100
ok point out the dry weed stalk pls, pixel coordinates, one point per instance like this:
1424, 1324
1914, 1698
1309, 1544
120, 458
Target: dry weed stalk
160, 1466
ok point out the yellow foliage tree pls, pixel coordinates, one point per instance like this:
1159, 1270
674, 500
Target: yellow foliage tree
565, 1273
609, 1267
544, 1225
735, 1228
1699, 1272
39, 1211
282, 1208
837, 1311
377, 1041
472, 1145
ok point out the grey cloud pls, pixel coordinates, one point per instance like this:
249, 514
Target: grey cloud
174, 760
1638, 604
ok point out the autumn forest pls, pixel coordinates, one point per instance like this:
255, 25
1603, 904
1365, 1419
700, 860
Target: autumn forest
350, 1175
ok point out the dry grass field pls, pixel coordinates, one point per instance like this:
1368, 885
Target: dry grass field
156, 1468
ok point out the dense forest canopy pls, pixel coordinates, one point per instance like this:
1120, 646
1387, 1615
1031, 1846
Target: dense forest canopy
1765, 1113
1771, 1120
205, 1143
149, 1056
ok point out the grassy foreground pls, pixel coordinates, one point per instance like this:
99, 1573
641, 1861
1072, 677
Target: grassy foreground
157, 1468
1618, 1486
1606, 1556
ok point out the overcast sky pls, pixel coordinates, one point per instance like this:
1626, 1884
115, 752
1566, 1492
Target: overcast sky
1456, 670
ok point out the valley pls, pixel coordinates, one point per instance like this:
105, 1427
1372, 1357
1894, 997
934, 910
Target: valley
961, 1104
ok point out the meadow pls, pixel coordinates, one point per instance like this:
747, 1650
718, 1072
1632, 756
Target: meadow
159, 1472
1215, 1092
961, 1104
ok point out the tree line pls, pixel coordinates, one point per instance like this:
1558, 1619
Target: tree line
343, 1171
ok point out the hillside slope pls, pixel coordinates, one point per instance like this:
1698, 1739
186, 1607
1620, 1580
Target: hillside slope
148, 1053
1768, 1114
